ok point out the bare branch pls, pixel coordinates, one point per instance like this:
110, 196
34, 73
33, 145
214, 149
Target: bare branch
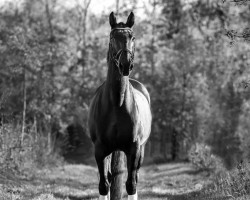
237, 2
233, 35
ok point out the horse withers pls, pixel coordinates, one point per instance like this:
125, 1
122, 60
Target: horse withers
120, 115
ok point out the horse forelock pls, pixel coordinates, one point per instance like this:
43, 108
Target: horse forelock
120, 25
121, 31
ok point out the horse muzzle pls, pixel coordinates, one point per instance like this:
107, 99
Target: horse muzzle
125, 63
125, 68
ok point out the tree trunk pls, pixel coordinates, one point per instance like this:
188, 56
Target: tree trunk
35, 128
85, 13
152, 149
48, 15
163, 144
24, 105
49, 144
153, 41
175, 145
82, 35
117, 7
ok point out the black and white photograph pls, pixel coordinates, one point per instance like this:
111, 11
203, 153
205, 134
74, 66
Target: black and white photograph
124, 99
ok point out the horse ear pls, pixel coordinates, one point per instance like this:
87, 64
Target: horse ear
131, 20
112, 20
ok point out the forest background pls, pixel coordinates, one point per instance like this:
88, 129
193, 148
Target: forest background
193, 56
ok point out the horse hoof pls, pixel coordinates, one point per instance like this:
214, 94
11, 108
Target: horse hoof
133, 197
106, 197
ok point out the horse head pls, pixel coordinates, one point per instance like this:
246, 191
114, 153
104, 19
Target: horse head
122, 44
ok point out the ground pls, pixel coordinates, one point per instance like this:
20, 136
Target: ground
174, 181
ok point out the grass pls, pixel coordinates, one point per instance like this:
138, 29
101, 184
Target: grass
75, 182
173, 181
234, 183
39, 179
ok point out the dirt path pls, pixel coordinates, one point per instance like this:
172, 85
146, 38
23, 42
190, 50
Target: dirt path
179, 181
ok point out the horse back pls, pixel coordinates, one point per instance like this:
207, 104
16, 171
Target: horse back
139, 86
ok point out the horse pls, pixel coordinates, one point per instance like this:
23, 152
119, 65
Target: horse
119, 116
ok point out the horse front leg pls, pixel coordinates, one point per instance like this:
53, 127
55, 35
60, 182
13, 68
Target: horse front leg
101, 156
133, 157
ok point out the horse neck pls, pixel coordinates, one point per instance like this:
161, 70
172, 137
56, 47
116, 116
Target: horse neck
118, 88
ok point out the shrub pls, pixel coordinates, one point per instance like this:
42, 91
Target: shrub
235, 183
201, 157
31, 154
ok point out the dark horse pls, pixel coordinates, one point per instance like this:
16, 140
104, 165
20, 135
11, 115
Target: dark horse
119, 115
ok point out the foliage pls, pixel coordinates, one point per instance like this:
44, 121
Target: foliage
30, 155
58, 56
235, 183
200, 155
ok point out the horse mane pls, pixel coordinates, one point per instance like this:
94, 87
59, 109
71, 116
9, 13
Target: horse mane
109, 54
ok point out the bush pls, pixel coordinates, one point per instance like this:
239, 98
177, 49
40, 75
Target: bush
31, 154
201, 157
235, 182
10, 156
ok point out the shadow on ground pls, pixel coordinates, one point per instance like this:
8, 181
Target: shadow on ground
174, 181
72, 197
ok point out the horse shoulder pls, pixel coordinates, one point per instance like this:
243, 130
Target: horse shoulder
94, 109
139, 86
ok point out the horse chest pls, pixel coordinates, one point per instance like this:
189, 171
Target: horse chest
128, 123
120, 122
